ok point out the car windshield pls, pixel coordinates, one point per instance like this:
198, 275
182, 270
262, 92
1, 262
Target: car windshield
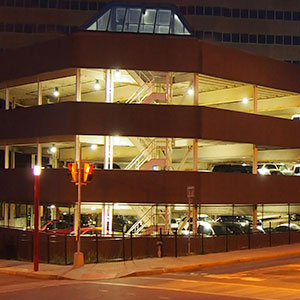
219, 230
282, 167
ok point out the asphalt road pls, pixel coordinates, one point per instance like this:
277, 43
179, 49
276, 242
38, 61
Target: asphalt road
269, 279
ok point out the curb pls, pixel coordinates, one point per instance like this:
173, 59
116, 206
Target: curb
31, 274
207, 265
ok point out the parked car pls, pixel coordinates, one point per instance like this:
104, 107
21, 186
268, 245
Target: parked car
233, 168
286, 227
123, 223
296, 170
268, 169
184, 222
235, 228
58, 226
213, 229
284, 169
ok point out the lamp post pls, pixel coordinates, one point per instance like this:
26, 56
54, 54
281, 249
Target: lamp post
36, 173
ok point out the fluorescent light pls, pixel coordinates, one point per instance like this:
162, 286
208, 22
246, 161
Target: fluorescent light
53, 149
117, 73
245, 100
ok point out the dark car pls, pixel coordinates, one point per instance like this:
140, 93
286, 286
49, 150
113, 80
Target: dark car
123, 223
213, 229
235, 228
233, 168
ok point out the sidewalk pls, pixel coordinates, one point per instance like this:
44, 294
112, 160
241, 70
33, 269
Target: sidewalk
143, 267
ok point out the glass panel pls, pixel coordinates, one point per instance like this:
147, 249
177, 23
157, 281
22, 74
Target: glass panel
178, 26
132, 20
163, 21
148, 19
102, 22
117, 19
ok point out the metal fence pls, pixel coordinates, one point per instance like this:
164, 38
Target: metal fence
59, 248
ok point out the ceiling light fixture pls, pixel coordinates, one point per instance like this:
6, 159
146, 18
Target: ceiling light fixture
93, 147
97, 85
56, 92
117, 73
53, 149
245, 100
190, 91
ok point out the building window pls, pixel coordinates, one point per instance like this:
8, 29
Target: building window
217, 36
287, 15
235, 13
235, 38
83, 5
92, 5
287, 40
279, 15
41, 28
191, 10
29, 28
270, 39
279, 39
52, 3
208, 11
244, 13
226, 37
199, 10
19, 3
296, 16
74, 5
217, 11
253, 13
10, 3
261, 39
253, 38
43, 3
244, 38
296, 40
1, 27
2, 2
9, 27
199, 34
226, 12
18, 28
182, 9
261, 14
270, 14
207, 35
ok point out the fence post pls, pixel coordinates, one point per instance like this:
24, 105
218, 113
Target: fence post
131, 246
161, 241
123, 238
270, 234
175, 237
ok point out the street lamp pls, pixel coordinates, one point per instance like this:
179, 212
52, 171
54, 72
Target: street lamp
36, 173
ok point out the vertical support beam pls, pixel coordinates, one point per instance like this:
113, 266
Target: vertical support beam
254, 215
32, 160
255, 98
6, 99
166, 220
6, 157
78, 86
6, 211
254, 160
168, 88
13, 157
77, 157
39, 93
39, 155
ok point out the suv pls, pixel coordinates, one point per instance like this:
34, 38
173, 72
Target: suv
268, 169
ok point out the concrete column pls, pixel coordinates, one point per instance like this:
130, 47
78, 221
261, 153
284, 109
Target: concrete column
168, 88
32, 160
39, 154
6, 211
254, 160
12, 214
13, 157
104, 219
255, 98
78, 86
39, 93
6, 157
168, 153
6, 99
254, 215
166, 219
76, 217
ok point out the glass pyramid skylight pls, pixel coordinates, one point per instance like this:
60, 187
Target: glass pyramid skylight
139, 19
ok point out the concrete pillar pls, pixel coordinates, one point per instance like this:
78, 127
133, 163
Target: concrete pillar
166, 219
255, 98
39, 93
32, 160
78, 86
6, 211
104, 219
254, 160
6, 99
12, 215
195, 217
6, 157
13, 157
39, 155
196, 103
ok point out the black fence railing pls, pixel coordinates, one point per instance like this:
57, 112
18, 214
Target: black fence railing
59, 248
